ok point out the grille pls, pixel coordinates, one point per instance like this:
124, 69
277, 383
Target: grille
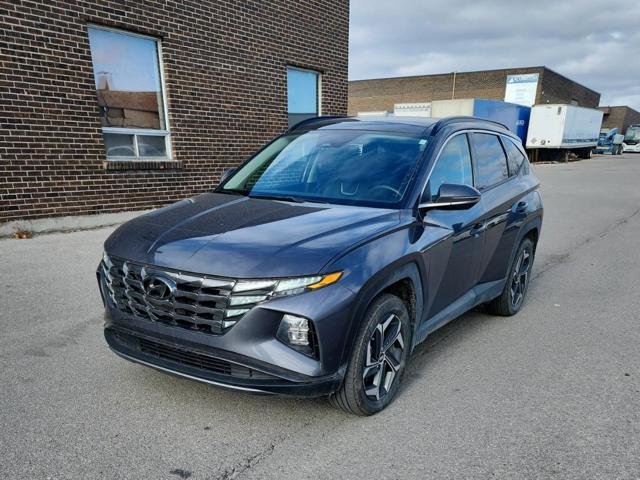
193, 302
198, 360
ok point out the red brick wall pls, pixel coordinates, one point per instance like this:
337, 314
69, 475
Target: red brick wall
225, 76
558, 89
619, 117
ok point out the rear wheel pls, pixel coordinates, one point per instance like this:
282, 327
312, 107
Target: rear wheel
512, 297
378, 358
585, 153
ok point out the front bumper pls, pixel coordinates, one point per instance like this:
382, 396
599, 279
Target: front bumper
214, 367
248, 357
631, 148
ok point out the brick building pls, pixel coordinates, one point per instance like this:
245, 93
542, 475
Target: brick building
619, 117
119, 105
382, 94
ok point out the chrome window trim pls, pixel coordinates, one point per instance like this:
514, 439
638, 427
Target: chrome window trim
455, 134
522, 151
473, 164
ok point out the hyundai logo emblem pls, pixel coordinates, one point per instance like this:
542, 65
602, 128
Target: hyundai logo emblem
159, 288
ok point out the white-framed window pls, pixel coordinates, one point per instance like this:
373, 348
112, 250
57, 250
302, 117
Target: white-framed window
303, 94
127, 68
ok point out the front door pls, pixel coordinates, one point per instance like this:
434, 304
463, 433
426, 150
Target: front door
454, 258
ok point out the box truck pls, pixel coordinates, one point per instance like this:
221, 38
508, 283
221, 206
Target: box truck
513, 116
556, 132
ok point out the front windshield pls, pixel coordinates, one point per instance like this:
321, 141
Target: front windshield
633, 133
334, 166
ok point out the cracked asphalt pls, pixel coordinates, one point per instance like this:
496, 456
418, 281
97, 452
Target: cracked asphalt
553, 392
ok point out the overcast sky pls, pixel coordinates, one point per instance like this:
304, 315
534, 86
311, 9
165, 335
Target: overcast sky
595, 42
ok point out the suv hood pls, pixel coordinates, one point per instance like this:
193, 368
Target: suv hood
241, 237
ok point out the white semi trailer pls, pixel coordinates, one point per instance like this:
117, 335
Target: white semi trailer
558, 131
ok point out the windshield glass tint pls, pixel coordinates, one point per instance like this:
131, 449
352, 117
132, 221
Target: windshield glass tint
352, 167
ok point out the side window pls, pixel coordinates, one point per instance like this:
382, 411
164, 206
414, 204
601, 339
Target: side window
491, 163
514, 156
453, 165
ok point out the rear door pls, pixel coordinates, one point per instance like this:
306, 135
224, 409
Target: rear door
500, 196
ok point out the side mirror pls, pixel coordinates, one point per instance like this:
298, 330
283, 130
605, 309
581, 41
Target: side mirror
226, 174
451, 197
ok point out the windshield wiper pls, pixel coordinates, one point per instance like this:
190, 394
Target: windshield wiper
233, 191
288, 198
285, 198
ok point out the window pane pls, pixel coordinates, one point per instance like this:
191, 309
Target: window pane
514, 157
117, 145
453, 165
302, 92
127, 78
152, 146
490, 160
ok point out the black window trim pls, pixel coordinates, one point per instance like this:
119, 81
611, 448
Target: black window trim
473, 158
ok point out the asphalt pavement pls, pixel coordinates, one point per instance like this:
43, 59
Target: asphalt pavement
553, 392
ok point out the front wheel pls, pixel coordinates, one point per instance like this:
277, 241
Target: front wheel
512, 297
378, 358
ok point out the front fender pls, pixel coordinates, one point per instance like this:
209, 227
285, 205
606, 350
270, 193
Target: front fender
380, 264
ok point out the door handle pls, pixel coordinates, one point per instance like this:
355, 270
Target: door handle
477, 229
521, 207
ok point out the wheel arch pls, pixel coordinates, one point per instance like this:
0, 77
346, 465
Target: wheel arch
529, 230
403, 279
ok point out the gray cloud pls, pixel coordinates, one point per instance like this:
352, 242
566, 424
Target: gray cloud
594, 42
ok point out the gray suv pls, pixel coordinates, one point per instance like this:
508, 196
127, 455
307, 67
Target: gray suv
317, 266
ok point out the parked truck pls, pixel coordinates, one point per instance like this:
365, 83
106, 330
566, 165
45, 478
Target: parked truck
558, 132
515, 117
631, 142
610, 141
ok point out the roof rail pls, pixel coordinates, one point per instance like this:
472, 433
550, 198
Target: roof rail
322, 120
448, 120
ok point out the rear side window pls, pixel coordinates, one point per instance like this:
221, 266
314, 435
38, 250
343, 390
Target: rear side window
514, 156
491, 163
453, 165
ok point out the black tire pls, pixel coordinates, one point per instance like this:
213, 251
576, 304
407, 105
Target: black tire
515, 290
352, 397
585, 153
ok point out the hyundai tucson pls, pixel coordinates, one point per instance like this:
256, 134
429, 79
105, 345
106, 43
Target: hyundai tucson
318, 265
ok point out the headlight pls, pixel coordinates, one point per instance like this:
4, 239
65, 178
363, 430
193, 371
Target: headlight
259, 290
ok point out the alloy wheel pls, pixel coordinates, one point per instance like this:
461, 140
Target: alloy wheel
520, 278
383, 358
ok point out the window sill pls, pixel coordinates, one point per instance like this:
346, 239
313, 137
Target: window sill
121, 165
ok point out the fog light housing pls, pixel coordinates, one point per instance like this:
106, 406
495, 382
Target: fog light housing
297, 332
